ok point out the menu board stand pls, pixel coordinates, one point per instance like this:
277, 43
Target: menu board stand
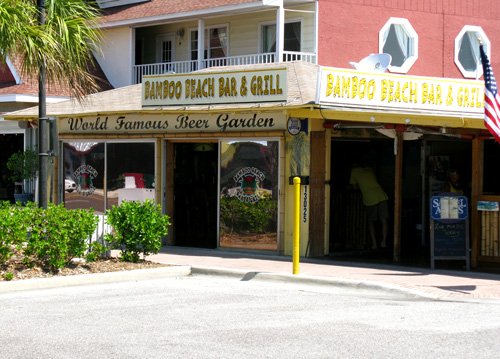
449, 228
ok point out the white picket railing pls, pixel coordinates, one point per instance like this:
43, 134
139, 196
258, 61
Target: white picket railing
182, 67
102, 229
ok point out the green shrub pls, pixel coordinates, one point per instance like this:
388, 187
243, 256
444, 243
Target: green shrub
95, 251
81, 224
57, 234
13, 229
137, 228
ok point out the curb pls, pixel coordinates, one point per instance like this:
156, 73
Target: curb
94, 278
244, 275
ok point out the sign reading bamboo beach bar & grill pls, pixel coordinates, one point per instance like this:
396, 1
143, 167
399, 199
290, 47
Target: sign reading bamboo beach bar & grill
215, 87
383, 90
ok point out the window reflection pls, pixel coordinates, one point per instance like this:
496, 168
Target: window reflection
84, 175
129, 174
249, 194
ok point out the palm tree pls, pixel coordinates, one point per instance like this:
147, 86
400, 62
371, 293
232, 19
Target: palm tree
55, 39
63, 45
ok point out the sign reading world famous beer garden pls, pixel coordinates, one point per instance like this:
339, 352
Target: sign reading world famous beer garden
212, 88
197, 122
384, 90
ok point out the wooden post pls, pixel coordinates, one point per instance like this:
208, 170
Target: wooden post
476, 189
398, 191
317, 195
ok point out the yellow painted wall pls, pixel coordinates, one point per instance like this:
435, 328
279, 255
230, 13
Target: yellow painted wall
293, 143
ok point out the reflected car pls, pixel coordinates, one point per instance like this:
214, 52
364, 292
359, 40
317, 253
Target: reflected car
69, 185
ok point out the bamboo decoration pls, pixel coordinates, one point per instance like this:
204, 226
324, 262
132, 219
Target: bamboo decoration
483, 234
495, 238
490, 233
493, 232
488, 238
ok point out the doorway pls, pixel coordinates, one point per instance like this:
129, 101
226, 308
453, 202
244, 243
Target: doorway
10, 144
349, 228
165, 48
426, 165
195, 194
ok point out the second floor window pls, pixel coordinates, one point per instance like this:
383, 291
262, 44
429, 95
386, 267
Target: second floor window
467, 51
165, 48
292, 37
400, 40
215, 43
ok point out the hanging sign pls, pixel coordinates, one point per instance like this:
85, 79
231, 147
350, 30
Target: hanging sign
383, 90
268, 85
212, 122
449, 207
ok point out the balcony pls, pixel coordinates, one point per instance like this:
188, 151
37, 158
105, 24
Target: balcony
182, 67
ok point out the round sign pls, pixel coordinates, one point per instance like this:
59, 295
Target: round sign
294, 126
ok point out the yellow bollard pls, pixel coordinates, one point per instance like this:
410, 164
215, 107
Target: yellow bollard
296, 226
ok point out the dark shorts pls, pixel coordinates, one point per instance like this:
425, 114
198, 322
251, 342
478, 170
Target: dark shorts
378, 211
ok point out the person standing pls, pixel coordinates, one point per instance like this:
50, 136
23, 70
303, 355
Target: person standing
374, 199
454, 183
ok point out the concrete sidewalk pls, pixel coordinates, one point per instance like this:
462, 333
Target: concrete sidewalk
415, 282
437, 284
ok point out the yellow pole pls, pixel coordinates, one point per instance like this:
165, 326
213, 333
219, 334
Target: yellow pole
296, 226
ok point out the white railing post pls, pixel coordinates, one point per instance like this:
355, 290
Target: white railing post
201, 43
280, 32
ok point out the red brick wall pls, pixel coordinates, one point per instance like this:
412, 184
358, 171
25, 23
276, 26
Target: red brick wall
5, 74
348, 30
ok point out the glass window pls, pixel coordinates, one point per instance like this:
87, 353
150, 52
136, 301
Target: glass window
84, 175
467, 51
216, 42
131, 177
292, 37
127, 169
249, 194
399, 39
194, 45
165, 48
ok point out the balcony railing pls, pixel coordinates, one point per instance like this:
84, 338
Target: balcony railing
182, 67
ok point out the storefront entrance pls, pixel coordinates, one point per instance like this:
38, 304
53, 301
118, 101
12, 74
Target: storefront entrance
195, 194
10, 144
246, 193
349, 228
427, 164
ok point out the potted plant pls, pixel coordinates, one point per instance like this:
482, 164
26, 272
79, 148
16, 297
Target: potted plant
23, 166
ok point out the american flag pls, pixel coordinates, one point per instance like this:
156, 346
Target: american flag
491, 99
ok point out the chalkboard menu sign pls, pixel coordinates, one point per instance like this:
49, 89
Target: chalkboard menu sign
449, 229
449, 239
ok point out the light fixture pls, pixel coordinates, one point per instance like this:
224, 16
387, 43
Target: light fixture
180, 32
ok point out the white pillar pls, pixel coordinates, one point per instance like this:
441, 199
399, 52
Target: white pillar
201, 42
316, 32
280, 32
